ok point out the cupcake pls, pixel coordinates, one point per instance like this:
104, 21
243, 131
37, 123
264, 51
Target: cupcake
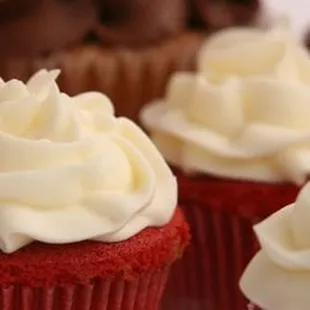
88, 216
278, 277
237, 135
126, 49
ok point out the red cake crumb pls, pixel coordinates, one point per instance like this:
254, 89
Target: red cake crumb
43, 264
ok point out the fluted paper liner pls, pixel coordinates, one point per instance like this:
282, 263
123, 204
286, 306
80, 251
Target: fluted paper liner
143, 293
130, 77
221, 214
207, 276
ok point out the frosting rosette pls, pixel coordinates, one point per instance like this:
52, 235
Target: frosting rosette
245, 51
279, 275
244, 114
71, 171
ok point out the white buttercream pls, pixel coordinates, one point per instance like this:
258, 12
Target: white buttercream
279, 275
244, 114
70, 170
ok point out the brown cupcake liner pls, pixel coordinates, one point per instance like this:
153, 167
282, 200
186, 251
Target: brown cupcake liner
130, 77
143, 293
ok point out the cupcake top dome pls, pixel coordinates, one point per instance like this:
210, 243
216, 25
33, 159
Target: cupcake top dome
137, 22
38, 27
12, 10
35, 27
222, 13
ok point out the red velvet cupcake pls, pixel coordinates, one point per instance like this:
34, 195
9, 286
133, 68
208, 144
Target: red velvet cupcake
237, 134
88, 216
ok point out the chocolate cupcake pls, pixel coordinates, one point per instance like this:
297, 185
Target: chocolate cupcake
126, 49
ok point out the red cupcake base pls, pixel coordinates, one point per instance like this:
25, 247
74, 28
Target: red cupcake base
221, 214
127, 275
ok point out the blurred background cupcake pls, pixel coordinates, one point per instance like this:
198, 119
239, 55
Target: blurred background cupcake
88, 206
127, 49
237, 135
217, 14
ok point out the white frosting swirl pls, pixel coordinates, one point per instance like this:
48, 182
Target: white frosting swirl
70, 170
279, 275
245, 114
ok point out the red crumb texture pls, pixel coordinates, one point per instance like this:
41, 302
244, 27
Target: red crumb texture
79, 263
252, 200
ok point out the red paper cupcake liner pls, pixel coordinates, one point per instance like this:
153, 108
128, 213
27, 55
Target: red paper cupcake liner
207, 276
143, 293
221, 214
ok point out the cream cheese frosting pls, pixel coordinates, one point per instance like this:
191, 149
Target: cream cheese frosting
71, 171
279, 275
244, 114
